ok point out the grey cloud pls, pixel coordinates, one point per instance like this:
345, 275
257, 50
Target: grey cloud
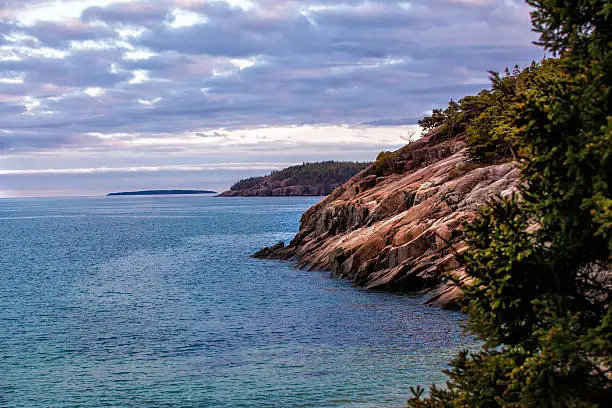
372, 15
59, 35
133, 13
9, 109
82, 69
159, 63
374, 63
35, 141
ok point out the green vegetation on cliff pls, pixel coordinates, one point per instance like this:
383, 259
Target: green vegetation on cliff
305, 179
540, 288
482, 120
490, 133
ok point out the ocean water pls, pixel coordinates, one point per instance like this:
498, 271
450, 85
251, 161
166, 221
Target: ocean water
155, 302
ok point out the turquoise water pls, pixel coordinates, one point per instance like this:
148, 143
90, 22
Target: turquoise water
154, 302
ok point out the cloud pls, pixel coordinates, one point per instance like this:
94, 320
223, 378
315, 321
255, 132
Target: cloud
132, 13
61, 34
75, 75
150, 169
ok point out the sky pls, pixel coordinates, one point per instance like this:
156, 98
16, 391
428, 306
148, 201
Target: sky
114, 95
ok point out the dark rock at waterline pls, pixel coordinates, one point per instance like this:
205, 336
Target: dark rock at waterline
268, 251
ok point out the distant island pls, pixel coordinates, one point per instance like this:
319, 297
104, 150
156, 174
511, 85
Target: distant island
161, 192
308, 179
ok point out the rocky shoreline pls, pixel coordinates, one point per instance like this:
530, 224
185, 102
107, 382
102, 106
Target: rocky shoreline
394, 232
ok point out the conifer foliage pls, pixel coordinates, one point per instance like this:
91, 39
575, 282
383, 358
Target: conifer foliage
539, 293
483, 120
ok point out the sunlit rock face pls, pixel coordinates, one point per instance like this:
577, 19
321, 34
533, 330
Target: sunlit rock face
395, 232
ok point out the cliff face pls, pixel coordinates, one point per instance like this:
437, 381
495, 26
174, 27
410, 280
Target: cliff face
392, 232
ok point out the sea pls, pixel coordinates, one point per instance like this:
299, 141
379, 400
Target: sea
155, 302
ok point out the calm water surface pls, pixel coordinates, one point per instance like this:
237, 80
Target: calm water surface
154, 302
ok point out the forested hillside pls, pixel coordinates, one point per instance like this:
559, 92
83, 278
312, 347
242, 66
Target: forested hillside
308, 179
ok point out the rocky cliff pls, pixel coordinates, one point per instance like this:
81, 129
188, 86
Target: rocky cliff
392, 232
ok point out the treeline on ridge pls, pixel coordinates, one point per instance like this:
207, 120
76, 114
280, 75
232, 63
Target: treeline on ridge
328, 174
483, 120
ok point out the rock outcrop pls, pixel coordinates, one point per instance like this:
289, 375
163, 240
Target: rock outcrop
394, 232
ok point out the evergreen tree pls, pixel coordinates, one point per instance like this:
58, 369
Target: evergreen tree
540, 294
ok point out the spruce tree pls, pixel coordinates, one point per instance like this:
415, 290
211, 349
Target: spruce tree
539, 293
